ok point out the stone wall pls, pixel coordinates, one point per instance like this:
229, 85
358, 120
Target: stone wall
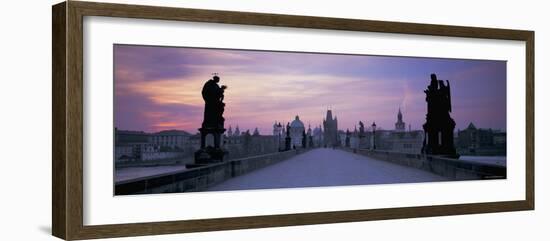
447, 167
153, 163
200, 178
149, 156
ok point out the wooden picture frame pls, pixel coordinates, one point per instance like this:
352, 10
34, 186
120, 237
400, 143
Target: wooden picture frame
67, 124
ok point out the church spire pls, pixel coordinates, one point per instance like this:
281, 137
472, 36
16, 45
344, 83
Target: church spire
399, 125
237, 131
329, 115
399, 116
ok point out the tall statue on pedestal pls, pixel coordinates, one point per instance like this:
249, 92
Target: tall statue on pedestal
213, 123
348, 140
362, 135
439, 126
287, 138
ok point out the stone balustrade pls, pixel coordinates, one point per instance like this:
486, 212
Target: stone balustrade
200, 178
448, 167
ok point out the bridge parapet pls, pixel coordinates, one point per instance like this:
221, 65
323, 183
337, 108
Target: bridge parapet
447, 167
200, 178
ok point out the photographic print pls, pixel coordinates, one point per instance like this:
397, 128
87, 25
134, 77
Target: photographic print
202, 119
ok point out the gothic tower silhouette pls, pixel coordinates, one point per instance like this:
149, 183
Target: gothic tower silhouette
330, 127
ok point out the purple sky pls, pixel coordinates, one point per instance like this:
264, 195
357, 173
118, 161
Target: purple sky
158, 88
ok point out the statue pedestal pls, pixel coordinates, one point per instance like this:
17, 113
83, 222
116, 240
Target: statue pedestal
210, 154
287, 143
440, 138
212, 124
363, 142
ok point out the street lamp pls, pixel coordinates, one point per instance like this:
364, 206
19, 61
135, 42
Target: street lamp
279, 129
373, 136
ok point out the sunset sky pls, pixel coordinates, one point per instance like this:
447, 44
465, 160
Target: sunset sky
159, 88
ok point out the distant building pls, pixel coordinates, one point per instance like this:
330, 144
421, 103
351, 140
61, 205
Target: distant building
170, 140
317, 137
277, 129
297, 130
127, 153
139, 146
499, 139
399, 125
249, 144
384, 139
407, 142
278, 132
127, 137
130, 145
237, 132
397, 140
479, 141
195, 141
330, 126
230, 131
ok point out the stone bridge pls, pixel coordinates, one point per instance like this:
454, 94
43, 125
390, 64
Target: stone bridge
312, 168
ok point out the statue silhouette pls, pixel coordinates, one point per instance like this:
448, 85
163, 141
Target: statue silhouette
213, 122
439, 126
361, 129
213, 96
287, 138
347, 140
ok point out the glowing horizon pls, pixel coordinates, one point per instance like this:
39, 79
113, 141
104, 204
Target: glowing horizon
158, 88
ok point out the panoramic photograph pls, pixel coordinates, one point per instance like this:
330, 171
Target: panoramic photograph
202, 119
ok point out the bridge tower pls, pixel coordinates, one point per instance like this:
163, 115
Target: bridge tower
330, 127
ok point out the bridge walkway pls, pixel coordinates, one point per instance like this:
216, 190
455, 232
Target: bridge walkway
326, 167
